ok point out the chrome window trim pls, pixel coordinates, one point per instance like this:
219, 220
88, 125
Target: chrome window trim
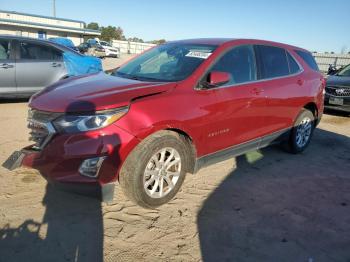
253, 82
301, 70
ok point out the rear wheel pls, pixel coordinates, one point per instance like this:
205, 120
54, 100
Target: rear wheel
302, 131
155, 170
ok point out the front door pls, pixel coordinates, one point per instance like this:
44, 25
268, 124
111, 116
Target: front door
7, 69
236, 108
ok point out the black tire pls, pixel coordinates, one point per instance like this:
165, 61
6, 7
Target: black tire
131, 176
293, 145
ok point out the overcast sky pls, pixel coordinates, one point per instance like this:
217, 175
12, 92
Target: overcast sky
315, 25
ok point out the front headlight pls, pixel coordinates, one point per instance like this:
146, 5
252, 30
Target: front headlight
73, 123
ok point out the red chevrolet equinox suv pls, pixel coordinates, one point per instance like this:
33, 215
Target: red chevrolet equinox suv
170, 111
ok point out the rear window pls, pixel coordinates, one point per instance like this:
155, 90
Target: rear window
273, 61
308, 59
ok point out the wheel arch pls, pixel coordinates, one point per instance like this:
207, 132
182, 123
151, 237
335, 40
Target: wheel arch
312, 106
190, 144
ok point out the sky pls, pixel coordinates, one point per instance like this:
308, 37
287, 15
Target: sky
315, 25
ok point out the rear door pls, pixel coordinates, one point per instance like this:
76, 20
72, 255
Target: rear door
281, 76
38, 66
7, 68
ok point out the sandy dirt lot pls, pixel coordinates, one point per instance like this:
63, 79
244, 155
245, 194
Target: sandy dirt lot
267, 205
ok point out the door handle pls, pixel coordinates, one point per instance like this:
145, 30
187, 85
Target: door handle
300, 82
56, 65
6, 66
257, 91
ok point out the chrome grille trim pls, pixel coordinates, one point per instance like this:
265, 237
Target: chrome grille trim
333, 91
41, 128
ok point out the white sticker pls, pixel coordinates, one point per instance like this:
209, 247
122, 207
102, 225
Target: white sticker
198, 54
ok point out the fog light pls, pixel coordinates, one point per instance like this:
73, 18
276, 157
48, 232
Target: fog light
91, 166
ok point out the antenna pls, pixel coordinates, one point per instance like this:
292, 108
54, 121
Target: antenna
54, 8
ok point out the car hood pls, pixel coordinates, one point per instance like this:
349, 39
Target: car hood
338, 81
94, 93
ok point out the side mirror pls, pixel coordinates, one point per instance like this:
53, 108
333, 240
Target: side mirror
216, 78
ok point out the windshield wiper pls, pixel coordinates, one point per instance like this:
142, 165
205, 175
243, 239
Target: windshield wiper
139, 78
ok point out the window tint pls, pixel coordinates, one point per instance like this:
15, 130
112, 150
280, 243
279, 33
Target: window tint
308, 59
34, 51
4, 49
293, 65
240, 63
273, 61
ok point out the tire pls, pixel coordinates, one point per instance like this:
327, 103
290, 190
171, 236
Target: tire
302, 132
140, 172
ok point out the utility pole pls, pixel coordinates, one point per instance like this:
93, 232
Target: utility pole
54, 8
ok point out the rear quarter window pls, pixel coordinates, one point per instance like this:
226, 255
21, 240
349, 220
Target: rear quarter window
308, 59
293, 65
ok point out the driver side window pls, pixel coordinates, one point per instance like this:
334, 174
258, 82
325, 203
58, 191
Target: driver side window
239, 63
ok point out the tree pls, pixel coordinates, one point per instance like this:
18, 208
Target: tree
108, 33
93, 26
135, 39
111, 32
120, 33
158, 42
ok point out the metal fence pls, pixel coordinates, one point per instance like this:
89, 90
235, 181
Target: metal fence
323, 60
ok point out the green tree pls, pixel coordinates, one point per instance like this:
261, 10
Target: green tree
111, 32
93, 26
158, 42
135, 39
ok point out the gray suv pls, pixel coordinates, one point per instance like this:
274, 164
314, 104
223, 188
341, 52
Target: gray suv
28, 65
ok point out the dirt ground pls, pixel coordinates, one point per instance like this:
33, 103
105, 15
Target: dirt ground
267, 205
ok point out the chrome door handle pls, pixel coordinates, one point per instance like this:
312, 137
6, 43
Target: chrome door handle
56, 65
257, 91
6, 66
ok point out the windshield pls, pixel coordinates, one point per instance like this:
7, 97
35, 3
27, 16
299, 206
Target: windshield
168, 62
345, 71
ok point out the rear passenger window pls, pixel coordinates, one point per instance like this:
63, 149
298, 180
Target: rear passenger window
33, 51
308, 59
293, 65
4, 49
239, 63
273, 61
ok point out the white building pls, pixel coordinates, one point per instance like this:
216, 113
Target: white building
38, 26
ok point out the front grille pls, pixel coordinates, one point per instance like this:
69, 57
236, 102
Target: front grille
41, 129
340, 91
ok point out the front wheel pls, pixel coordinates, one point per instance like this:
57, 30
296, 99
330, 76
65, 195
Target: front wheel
302, 131
155, 170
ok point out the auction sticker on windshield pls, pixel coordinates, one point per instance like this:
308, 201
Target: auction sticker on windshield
198, 54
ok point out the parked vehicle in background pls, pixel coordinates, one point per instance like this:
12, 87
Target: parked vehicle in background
338, 90
95, 49
169, 111
109, 49
83, 48
28, 65
65, 42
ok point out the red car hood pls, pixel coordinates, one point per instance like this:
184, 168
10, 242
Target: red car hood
93, 93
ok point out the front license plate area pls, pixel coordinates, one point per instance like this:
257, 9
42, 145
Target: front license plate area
14, 160
336, 101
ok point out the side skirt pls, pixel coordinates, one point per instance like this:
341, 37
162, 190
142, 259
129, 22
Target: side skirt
243, 148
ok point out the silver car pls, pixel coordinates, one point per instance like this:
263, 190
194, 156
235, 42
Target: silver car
28, 65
